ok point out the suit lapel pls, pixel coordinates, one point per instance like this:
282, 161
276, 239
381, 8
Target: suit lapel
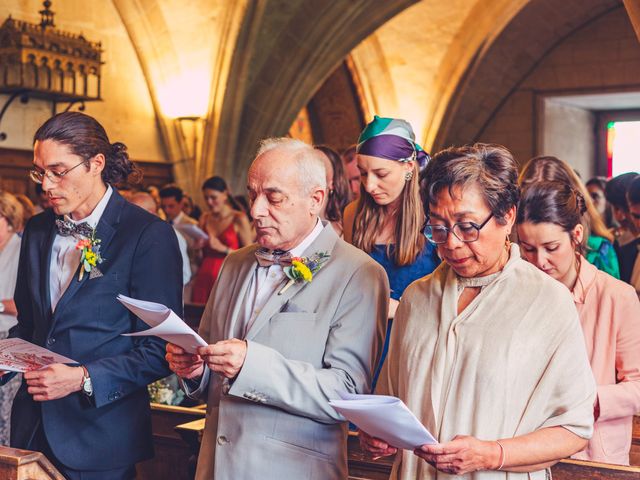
324, 243
105, 230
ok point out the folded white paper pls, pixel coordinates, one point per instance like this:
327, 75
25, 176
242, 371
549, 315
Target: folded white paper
17, 355
384, 417
192, 231
164, 323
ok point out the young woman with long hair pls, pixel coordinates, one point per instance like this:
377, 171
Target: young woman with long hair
552, 237
387, 219
599, 239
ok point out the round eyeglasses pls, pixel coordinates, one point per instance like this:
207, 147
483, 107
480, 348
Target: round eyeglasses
54, 177
466, 232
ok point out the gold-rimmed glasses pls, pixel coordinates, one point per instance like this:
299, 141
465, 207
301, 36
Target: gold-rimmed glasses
466, 232
54, 177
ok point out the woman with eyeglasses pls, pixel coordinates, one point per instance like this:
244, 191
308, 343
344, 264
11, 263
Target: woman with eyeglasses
387, 219
487, 350
552, 237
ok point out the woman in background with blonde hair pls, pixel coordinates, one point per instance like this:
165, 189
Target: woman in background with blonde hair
599, 249
11, 213
387, 220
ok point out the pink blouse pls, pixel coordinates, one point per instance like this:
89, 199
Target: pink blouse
610, 315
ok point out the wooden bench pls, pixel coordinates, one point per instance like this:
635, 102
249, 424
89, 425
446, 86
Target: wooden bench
173, 456
634, 454
579, 469
362, 467
18, 464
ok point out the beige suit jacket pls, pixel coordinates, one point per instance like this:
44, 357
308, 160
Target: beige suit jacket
273, 421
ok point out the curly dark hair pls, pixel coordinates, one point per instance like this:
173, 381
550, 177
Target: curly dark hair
86, 138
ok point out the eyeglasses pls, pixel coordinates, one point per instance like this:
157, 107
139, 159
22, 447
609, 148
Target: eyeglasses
54, 177
466, 232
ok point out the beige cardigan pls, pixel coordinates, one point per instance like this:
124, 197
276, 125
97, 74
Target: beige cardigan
512, 362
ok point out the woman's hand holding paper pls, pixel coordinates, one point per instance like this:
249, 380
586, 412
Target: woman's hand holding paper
375, 447
462, 455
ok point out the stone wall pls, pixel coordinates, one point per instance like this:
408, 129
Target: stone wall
603, 56
126, 112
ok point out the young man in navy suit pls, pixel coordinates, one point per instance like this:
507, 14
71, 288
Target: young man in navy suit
92, 420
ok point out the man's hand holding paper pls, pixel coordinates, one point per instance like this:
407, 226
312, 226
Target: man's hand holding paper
53, 381
184, 364
225, 357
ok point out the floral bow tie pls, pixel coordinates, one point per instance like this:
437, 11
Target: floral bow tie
66, 227
267, 257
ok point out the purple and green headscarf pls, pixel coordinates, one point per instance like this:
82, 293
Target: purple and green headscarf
393, 139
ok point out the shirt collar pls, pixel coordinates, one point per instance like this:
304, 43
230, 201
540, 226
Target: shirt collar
178, 218
95, 216
299, 249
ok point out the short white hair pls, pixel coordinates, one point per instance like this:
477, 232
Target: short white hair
308, 161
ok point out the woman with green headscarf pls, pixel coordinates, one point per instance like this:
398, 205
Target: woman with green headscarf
386, 221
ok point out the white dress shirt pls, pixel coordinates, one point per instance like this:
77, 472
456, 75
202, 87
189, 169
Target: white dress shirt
64, 256
186, 267
9, 256
266, 280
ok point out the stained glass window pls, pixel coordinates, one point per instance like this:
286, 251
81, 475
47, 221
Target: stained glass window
623, 147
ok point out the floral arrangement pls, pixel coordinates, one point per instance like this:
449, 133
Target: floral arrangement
302, 269
90, 257
163, 392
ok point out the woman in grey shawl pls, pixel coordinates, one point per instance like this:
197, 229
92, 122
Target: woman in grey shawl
487, 352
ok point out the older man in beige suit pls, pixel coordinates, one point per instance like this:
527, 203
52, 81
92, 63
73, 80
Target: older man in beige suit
280, 348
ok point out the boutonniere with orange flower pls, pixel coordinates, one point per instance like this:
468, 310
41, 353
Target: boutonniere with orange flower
90, 256
302, 269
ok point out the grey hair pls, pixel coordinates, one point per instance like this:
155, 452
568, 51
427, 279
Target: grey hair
307, 160
491, 167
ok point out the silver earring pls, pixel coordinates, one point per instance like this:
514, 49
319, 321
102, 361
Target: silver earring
408, 175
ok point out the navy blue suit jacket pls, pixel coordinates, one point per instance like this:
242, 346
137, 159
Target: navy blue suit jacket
141, 260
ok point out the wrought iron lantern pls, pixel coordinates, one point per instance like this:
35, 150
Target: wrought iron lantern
40, 61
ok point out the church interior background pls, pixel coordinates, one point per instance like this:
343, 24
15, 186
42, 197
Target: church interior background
192, 86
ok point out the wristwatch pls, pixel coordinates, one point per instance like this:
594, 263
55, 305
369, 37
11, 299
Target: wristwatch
87, 386
1, 307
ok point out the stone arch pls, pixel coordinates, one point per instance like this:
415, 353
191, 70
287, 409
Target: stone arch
504, 62
272, 86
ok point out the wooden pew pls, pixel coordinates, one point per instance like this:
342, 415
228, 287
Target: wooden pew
362, 467
173, 456
18, 464
579, 469
634, 454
